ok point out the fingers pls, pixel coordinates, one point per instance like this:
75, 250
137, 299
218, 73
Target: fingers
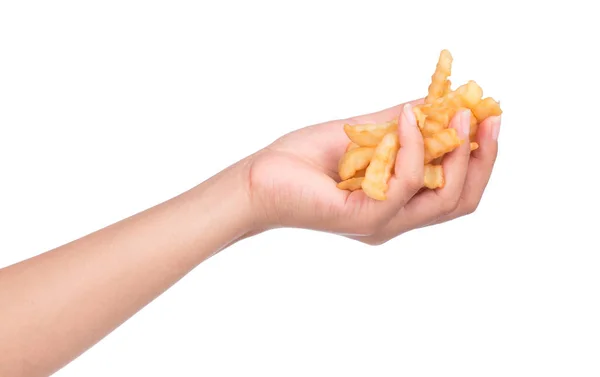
467, 175
428, 206
408, 177
402, 185
432, 204
480, 169
455, 165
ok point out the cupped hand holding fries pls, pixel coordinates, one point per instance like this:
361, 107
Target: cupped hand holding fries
375, 176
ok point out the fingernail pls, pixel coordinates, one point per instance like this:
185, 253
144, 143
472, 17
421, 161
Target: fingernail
465, 126
495, 127
409, 116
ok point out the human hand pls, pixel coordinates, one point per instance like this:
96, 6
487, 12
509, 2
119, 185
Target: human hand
292, 182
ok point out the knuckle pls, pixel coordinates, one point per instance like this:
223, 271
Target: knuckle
414, 182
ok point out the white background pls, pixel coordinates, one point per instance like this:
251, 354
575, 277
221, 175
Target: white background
108, 108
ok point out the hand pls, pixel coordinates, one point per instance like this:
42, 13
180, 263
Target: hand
292, 182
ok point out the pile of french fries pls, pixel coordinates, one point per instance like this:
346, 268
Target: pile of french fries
368, 162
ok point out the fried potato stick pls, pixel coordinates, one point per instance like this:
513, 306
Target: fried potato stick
440, 143
487, 107
351, 184
379, 171
440, 76
353, 161
369, 135
351, 145
433, 176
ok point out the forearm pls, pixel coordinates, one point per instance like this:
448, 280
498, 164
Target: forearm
88, 287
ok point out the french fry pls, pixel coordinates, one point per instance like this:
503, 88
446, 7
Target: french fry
442, 115
448, 88
436, 121
473, 146
465, 96
379, 171
473, 127
487, 107
369, 135
353, 161
351, 184
470, 94
419, 115
352, 145
433, 176
440, 143
427, 108
439, 78
431, 127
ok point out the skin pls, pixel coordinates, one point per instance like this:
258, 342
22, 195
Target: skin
58, 304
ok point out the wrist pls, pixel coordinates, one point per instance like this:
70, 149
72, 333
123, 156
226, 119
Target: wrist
224, 205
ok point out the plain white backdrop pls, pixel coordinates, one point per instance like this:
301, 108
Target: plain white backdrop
108, 108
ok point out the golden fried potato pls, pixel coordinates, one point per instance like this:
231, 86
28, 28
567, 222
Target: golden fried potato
379, 171
470, 94
432, 127
441, 143
351, 184
433, 177
439, 78
351, 146
473, 127
419, 115
448, 88
425, 108
487, 107
353, 161
473, 146
369, 135
442, 115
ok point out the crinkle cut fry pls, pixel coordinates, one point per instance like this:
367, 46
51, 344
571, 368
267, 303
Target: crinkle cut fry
419, 115
440, 143
369, 135
443, 70
432, 127
353, 161
351, 184
485, 108
433, 176
379, 171
352, 145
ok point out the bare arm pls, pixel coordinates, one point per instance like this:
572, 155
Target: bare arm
56, 305
87, 288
